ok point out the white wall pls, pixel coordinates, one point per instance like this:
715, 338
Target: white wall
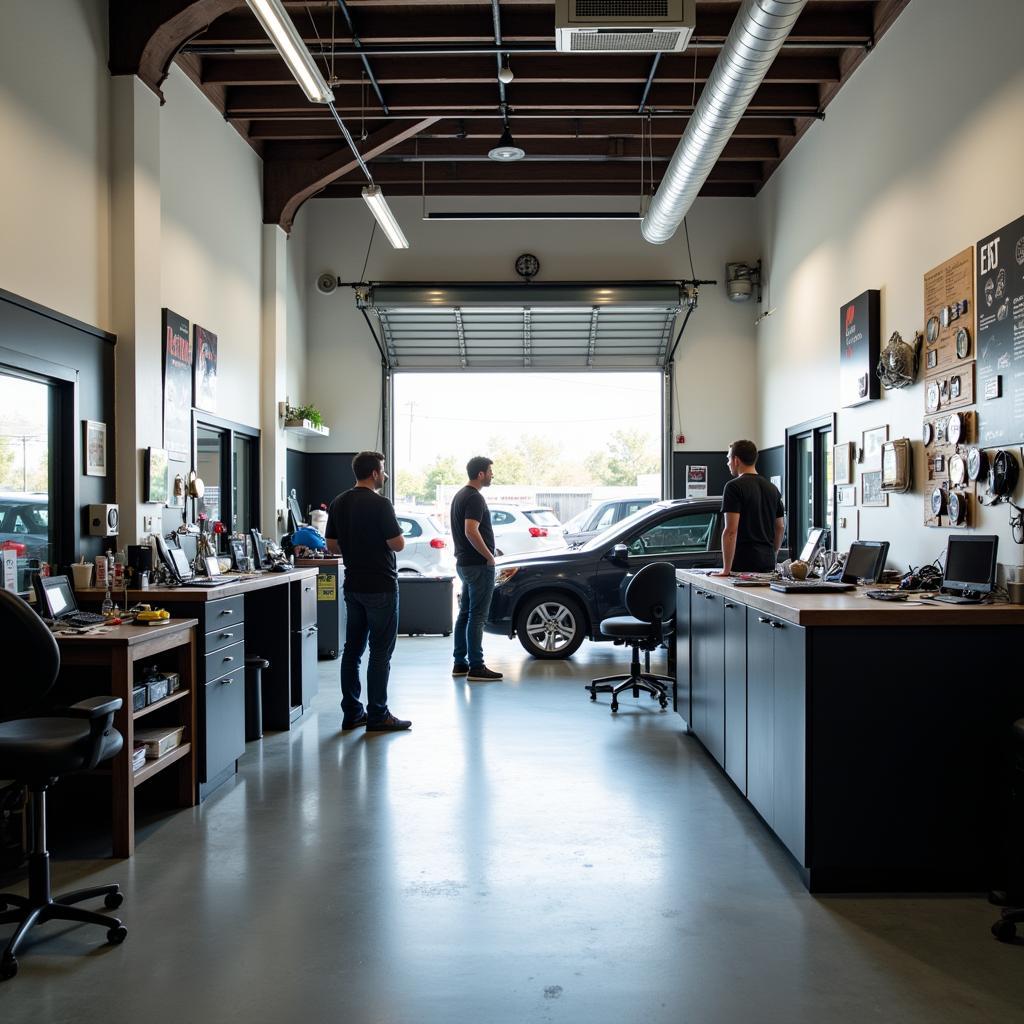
54, 169
715, 361
211, 209
919, 157
295, 302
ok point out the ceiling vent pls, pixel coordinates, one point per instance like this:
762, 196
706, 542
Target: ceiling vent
623, 26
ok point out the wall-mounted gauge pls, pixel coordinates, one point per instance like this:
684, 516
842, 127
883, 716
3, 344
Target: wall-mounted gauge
977, 464
957, 470
957, 507
963, 343
927, 433
931, 396
955, 428
938, 501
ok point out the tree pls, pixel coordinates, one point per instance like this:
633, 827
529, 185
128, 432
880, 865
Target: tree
7, 471
629, 453
410, 486
443, 470
532, 460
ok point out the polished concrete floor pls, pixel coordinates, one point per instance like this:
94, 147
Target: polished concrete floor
521, 855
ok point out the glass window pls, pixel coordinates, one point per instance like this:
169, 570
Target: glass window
634, 506
543, 517
502, 518
242, 518
803, 510
676, 536
410, 528
606, 519
209, 467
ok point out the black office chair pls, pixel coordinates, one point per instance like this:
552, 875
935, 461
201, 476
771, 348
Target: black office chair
36, 751
651, 603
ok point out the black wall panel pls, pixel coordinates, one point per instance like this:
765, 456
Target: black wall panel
318, 477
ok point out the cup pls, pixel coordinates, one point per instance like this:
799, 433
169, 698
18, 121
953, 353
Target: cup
1019, 574
81, 573
1016, 592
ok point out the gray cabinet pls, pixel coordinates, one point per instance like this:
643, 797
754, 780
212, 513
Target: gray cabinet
760, 711
712, 666
304, 676
682, 642
735, 616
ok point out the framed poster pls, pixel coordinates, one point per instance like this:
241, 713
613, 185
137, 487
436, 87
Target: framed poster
858, 349
696, 481
204, 389
155, 476
94, 444
177, 386
847, 496
873, 440
842, 463
871, 493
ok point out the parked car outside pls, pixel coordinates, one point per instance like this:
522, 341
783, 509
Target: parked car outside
428, 549
519, 530
554, 600
601, 516
25, 523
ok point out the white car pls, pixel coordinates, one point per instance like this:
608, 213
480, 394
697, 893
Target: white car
520, 531
428, 549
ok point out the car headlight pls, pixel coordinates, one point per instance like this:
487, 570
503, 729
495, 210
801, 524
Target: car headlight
504, 574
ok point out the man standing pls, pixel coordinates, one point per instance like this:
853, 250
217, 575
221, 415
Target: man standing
754, 512
473, 537
362, 528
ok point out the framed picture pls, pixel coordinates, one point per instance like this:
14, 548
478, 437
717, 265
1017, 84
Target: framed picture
842, 463
847, 496
204, 382
871, 493
859, 348
177, 386
94, 443
873, 441
155, 476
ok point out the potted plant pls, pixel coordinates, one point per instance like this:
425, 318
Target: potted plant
307, 416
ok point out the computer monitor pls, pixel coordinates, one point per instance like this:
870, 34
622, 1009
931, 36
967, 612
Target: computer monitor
971, 563
865, 561
54, 597
817, 538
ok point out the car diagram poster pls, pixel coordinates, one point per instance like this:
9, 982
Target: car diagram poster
696, 481
858, 349
999, 261
177, 386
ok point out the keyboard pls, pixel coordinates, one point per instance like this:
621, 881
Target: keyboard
956, 599
808, 586
206, 582
83, 619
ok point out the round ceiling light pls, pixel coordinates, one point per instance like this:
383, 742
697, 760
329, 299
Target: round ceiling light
506, 149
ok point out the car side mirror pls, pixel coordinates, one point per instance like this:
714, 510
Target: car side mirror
619, 553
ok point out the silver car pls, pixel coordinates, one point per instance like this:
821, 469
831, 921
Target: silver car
600, 517
428, 548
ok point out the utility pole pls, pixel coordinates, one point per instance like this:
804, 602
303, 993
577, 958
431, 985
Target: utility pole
411, 406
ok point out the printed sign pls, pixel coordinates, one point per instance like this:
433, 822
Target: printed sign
177, 386
858, 349
327, 587
696, 481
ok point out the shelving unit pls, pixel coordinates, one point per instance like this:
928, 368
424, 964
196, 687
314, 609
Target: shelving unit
304, 428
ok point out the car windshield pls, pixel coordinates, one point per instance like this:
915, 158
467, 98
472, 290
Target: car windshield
543, 517
599, 541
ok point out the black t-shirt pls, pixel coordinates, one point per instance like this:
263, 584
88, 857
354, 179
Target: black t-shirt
759, 504
469, 504
362, 522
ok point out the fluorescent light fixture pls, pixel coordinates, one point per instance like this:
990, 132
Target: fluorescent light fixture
385, 218
534, 215
281, 29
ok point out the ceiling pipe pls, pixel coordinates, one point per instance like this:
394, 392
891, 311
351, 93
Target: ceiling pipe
755, 39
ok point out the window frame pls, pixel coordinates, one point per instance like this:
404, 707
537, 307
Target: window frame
822, 498
228, 430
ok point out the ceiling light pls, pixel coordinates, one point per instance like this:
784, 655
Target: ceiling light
505, 74
275, 21
506, 149
385, 218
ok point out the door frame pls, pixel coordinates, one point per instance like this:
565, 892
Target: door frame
813, 428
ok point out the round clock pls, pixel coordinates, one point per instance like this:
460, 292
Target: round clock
957, 508
932, 397
957, 470
977, 464
932, 329
938, 501
527, 266
927, 434
963, 343
955, 428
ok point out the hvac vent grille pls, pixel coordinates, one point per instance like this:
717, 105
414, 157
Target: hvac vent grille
623, 41
637, 9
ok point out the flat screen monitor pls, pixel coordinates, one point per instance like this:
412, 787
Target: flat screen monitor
971, 563
817, 538
865, 561
55, 597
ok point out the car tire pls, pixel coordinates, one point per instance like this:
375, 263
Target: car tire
550, 625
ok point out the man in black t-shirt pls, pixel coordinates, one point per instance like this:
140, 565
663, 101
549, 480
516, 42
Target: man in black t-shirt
362, 528
473, 538
754, 513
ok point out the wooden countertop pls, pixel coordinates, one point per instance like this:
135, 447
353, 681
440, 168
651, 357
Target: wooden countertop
855, 608
168, 595
125, 636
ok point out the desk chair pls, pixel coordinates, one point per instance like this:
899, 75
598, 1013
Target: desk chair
651, 603
36, 751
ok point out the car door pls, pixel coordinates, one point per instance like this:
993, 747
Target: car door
506, 536
410, 558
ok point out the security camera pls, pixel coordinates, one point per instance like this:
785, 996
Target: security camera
326, 283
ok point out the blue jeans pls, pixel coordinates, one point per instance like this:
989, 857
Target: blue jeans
477, 588
372, 617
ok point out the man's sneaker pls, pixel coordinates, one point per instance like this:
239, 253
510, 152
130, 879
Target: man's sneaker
388, 724
354, 723
482, 674
460, 669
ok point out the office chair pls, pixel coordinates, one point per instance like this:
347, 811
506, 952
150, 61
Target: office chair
651, 603
1005, 929
36, 751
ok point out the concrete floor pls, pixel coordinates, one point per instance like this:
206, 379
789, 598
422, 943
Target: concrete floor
522, 855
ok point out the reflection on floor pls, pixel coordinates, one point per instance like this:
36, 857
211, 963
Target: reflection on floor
520, 855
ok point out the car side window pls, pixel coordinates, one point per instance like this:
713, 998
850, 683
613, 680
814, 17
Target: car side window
633, 506
410, 528
499, 518
606, 520
680, 534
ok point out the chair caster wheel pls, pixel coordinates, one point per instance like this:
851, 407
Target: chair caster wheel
113, 900
1004, 931
8, 968
615, 707
115, 936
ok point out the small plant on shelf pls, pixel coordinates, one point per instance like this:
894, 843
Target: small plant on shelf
304, 412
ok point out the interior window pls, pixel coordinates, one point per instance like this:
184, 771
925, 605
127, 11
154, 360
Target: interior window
675, 536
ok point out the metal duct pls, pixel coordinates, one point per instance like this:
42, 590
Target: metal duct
757, 35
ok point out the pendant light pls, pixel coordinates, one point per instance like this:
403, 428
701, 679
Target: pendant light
506, 150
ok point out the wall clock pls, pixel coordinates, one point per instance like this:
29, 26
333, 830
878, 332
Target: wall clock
527, 266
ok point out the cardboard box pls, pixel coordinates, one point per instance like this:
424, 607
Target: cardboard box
159, 741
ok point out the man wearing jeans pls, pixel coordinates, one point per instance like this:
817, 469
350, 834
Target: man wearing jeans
473, 538
362, 528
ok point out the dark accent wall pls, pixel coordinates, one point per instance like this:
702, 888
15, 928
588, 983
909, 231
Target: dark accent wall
772, 462
318, 477
718, 474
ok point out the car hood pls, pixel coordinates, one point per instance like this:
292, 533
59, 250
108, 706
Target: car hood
559, 556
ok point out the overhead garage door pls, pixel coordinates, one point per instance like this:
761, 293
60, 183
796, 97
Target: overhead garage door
525, 326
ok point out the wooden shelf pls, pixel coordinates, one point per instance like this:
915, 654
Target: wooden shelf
177, 695
150, 768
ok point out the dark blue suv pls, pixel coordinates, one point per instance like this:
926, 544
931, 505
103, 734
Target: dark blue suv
554, 600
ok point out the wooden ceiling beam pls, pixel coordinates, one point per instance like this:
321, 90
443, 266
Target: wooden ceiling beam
513, 187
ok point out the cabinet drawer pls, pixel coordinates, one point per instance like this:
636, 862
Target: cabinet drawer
230, 633
306, 610
227, 659
223, 613
223, 723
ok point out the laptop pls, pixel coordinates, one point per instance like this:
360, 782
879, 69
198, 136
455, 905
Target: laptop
56, 600
186, 574
808, 586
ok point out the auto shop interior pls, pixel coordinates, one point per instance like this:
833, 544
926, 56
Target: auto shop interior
706, 189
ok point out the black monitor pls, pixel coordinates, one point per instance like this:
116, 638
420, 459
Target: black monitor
971, 563
865, 561
54, 597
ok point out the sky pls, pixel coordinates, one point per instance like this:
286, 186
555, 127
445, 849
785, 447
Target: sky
457, 413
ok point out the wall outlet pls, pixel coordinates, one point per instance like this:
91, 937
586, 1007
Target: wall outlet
149, 524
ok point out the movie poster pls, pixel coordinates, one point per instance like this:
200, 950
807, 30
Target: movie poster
858, 349
177, 386
205, 387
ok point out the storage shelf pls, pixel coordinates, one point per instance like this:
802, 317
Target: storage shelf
151, 768
177, 695
306, 429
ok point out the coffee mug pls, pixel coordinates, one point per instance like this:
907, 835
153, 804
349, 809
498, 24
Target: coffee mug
1016, 592
81, 573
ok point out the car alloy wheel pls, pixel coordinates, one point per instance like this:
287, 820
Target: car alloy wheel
550, 626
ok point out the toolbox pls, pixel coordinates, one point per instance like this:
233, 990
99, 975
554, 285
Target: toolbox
425, 604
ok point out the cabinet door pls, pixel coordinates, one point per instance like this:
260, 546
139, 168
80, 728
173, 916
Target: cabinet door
698, 672
682, 689
223, 724
736, 693
714, 666
308, 667
760, 711
789, 742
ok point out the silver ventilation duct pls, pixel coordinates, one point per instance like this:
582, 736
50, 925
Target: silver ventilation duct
756, 37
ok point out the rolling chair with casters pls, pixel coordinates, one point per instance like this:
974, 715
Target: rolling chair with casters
651, 603
36, 751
